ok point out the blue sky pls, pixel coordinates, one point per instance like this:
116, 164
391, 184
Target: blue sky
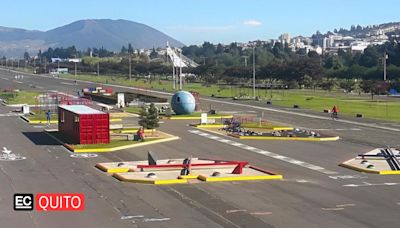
195, 21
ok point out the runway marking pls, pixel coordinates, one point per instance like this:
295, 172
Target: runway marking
131, 217
346, 205
344, 177
251, 213
18, 82
261, 213
302, 181
338, 129
5, 79
7, 155
234, 211
264, 152
333, 209
84, 155
366, 184
156, 219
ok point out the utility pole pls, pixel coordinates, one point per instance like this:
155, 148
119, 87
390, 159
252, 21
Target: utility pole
75, 70
245, 60
98, 69
254, 72
173, 75
385, 57
180, 70
130, 67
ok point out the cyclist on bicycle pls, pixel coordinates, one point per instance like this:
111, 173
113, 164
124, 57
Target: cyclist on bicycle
335, 111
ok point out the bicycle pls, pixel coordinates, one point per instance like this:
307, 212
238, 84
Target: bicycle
334, 115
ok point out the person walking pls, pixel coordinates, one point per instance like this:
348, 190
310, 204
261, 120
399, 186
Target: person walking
140, 133
48, 117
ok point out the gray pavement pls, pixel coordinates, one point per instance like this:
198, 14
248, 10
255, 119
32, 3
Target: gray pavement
305, 198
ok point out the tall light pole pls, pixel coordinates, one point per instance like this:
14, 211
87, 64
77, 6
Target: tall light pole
130, 67
245, 60
385, 57
254, 72
75, 70
180, 70
173, 75
98, 69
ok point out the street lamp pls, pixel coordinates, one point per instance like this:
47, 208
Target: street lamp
130, 68
385, 57
180, 70
254, 73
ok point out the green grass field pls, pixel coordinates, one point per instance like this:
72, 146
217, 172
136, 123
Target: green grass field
21, 97
348, 104
131, 109
42, 116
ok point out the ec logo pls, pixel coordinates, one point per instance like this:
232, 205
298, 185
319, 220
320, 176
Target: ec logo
49, 202
23, 202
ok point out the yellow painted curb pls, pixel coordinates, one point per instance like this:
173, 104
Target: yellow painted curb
120, 115
37, 121
281, 128
210, 126
190, 176
240, 178
358, 169
194, 117
42, 121
115, 119
98, 150
389, 172
286, 138
112, 170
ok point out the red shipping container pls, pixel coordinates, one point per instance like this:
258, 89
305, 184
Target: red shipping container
80, 124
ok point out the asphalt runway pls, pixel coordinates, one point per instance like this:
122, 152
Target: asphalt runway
306, 197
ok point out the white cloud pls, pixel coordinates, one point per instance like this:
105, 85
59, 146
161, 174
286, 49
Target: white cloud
252, 23
202, 28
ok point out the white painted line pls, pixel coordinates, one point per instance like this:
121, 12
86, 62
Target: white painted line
234, 211
366, 184
333, 209
345, 177
337, 129
267, 153
213, 137
236, 144
83, 155
156, 219
131, 217
250, 148
346, 205
280, 157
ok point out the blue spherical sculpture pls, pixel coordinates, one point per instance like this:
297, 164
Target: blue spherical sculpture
183, 103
